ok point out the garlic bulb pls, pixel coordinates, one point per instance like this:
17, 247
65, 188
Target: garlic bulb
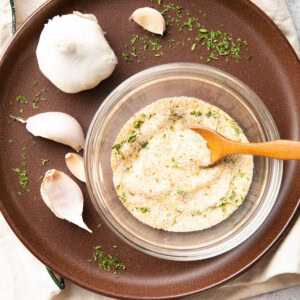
150, 19
57, 126
64, 197
75, 164
73, 53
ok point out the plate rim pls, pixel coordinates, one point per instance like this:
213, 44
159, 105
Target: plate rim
228, 279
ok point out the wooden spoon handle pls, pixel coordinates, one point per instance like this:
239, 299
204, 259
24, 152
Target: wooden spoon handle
281, 149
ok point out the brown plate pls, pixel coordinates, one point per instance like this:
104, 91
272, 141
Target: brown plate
273, 73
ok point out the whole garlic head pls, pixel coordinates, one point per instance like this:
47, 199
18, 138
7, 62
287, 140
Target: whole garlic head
73, 53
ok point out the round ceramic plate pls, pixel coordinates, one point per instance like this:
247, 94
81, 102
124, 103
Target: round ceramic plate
273, 73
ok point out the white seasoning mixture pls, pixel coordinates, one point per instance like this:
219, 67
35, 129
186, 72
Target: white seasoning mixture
157, 166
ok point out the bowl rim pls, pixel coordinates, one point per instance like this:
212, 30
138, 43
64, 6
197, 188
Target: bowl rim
145, 76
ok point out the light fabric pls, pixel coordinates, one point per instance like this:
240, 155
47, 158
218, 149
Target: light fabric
23, 277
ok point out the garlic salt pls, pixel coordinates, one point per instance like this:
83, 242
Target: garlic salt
57, 126
73, 53
64, 197
150, 19
75, 164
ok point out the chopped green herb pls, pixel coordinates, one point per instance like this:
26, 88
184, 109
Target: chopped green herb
144, 145
203, 30
232, 195
228, 160
23, 179
180, 192
123, 197
117, 147
196, 113
44, 161
210, 113
107, 262
143, 209
212, 56
134, 39
41, 178
32, 140
131, 137
133, 53
10, 141
99, 225
236, 127
35, 82
174, 162
137, 123
22, 99
127, 58
223, 206
241, 174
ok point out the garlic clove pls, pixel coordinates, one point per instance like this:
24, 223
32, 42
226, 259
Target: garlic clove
57, 126
75, 164
150, 19
63, 196
79, 222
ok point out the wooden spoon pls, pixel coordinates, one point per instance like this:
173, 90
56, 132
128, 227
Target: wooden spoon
220, 146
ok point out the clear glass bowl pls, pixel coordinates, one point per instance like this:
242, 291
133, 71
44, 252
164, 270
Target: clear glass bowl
213, 86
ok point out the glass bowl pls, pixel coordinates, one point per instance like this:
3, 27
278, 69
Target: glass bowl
215, 87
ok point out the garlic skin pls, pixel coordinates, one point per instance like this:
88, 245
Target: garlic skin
150, 19
75, 164
64, 197
86, 16
73, 53
57, 126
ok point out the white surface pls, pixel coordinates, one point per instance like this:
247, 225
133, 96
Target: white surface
23, 277
294, 9
292, 293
